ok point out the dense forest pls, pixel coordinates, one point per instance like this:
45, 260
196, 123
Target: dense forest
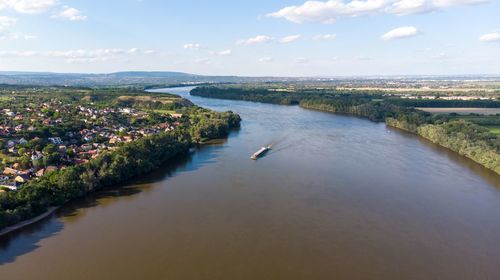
465, 138
461, 134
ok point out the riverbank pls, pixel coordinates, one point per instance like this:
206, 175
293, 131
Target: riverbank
105, 171
456, 136
28, 222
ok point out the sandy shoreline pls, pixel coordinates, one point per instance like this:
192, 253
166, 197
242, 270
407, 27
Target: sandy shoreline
28, 222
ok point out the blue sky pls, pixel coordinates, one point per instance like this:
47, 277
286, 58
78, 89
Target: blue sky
256, 38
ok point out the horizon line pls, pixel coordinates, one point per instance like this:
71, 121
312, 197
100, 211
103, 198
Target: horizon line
15, 72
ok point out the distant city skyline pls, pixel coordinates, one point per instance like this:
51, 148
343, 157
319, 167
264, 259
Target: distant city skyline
254, 38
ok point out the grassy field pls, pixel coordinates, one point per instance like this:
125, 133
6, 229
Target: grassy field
462, 111
147, 98
164, 111
494, 129
485, 120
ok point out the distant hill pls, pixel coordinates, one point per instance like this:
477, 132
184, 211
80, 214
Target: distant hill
154, 74
120, 74
133, 78
166, 78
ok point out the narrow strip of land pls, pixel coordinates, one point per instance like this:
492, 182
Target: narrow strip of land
28, 222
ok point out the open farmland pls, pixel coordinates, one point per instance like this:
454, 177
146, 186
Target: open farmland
462, 111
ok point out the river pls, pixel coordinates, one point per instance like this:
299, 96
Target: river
337, 198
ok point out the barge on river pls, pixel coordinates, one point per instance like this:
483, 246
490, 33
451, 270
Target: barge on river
260, 152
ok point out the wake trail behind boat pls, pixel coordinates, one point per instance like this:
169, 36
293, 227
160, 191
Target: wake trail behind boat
278, 141
284, 144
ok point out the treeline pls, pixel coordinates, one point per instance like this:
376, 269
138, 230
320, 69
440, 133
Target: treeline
255, 95
373, 110
207, 124
128, 161
463, 137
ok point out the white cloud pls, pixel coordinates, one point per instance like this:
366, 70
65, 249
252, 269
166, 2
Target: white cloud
222, 53
363, 58
196, 46
329, 11
6, 22
133, 51
203, 61
406, 7
7, 36
260, 39
28, 6
266, 59
69, 13
95, 55
18, 53
81, 55
138, 51
301, 60
289, 39
15, 36
440, 56
192, 46
256, 40
490, 37
225, 52
88, 59
449, 3
400, 33
325, 37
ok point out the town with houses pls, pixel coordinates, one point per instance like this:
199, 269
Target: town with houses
37, 139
